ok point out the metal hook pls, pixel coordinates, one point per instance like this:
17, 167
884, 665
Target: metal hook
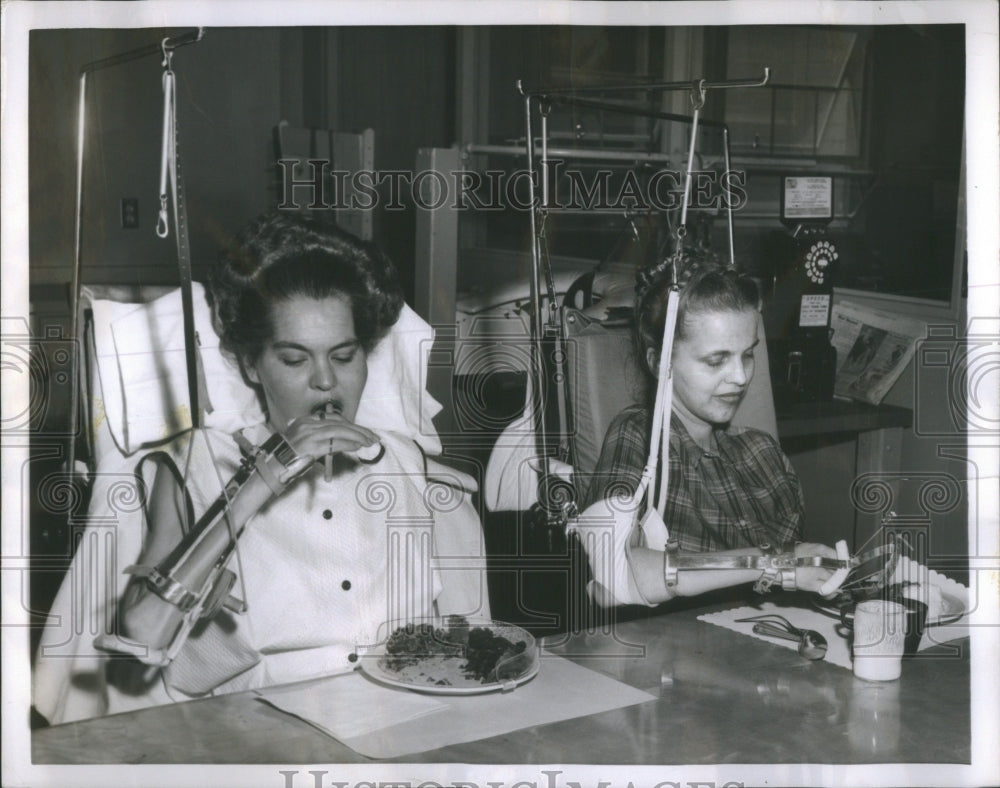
678, 255
168, 53
631, 223
170, 44
698, 94
162, 229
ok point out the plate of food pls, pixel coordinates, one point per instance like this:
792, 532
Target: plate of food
942, 607
453, 656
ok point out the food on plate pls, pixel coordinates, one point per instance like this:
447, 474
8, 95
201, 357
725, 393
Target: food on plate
409, 644
477, 650
484, 652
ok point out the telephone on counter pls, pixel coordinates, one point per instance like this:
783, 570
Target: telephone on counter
803, 259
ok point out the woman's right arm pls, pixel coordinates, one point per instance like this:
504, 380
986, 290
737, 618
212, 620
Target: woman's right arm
166, 513
143, 615
191, 555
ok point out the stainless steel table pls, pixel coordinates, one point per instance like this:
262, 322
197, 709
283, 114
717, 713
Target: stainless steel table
722, 698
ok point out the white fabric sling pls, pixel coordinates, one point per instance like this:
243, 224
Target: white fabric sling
611, 527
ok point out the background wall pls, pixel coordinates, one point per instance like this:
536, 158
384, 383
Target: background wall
229, 98
936, 491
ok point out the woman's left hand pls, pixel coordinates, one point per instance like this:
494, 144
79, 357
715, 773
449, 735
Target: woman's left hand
812, 578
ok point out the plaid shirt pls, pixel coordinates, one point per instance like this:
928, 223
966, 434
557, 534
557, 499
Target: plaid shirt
743, 496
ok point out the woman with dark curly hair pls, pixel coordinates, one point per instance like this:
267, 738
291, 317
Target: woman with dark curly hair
327, 556
729, 488
299, 306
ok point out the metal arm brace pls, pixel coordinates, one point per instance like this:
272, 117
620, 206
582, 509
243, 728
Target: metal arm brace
277, 464
775, 567
193, 580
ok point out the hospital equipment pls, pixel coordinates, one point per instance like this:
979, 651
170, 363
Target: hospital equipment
639, 519
153, 371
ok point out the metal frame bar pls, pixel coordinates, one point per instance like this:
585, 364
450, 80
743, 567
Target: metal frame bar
626, 109
165, 46
650, 87
537, 395
596, 154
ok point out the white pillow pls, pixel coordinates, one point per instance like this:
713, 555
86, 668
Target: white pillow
142, 375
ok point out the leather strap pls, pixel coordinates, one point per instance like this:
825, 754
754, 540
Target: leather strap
167, 588
171, 170
778, 568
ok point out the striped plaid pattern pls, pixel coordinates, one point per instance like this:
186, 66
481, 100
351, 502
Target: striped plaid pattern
743, 496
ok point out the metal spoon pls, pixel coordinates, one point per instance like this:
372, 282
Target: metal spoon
812, 645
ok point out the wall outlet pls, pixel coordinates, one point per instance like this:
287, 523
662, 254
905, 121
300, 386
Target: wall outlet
130, 213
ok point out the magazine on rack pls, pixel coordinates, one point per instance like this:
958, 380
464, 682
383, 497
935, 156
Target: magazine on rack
873, 348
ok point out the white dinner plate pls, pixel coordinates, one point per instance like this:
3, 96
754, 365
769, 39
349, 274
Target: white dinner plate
444, 675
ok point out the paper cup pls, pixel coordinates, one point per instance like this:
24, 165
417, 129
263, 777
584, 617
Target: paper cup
879, 636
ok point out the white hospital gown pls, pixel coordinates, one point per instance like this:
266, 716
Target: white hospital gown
324, 565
